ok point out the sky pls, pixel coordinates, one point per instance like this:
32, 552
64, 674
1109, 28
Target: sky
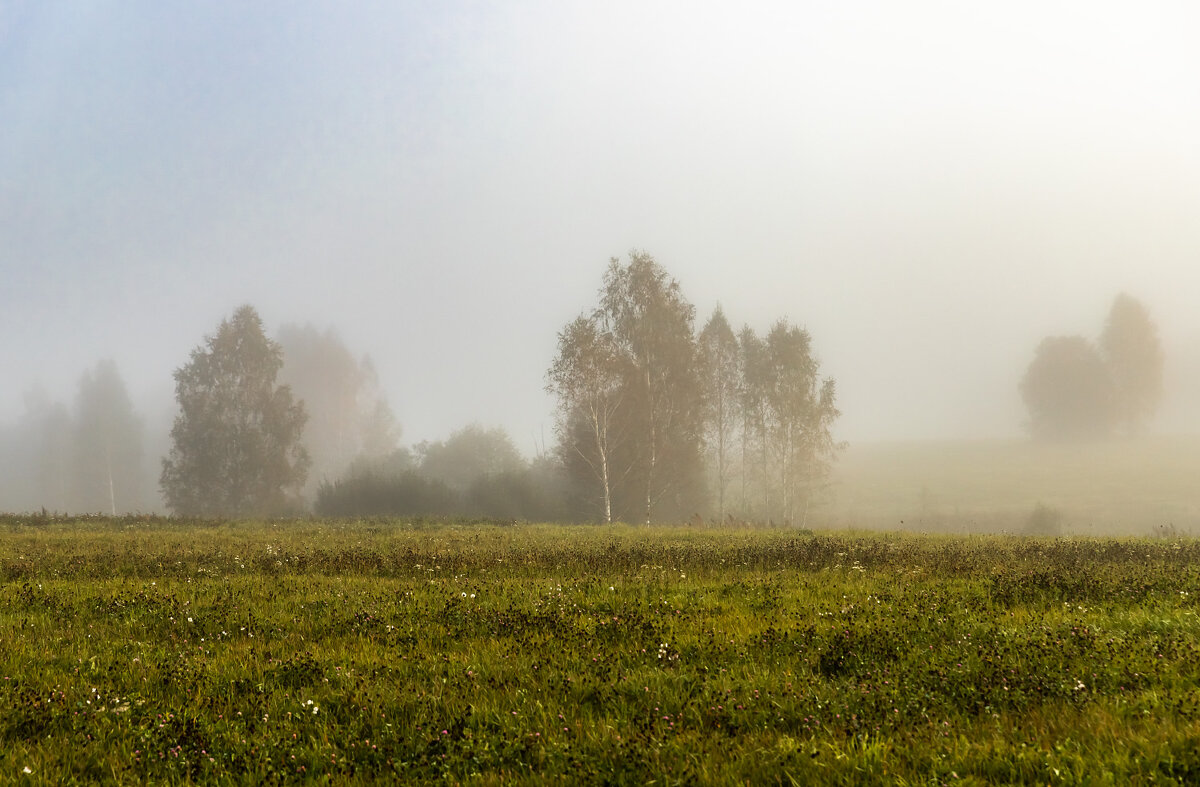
928, 187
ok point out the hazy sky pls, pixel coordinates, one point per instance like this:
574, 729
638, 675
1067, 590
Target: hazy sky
929, 187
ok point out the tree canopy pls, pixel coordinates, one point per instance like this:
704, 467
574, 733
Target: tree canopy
1068, 391
236, 447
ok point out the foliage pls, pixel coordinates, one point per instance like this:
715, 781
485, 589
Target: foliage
1134, 356
164, 651
629, 400
799, 411
469, 454
650, 322
786, 414
642, 403
755, 476
476, 472
236, 442
1068, 391
1044, 521
369, 492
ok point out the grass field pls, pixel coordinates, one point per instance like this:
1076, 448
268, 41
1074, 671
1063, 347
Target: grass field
153, 650
1141, 486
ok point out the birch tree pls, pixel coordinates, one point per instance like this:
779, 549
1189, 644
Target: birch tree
651, 324
587, 377
752, 408
720, 364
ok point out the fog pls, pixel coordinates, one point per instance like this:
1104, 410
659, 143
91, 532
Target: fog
929, 188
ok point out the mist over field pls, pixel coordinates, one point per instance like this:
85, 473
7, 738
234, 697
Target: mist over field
418, 199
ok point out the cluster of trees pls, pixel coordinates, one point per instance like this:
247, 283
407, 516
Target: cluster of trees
1077, 389
236, 445
656, 421
476, 472
653, 416
349, 418
242, 443
263, 422
83, 458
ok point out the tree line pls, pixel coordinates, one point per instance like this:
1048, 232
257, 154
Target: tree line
94, 455
88, 456
655, 421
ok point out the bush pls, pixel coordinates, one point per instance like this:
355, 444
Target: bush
1044, 521
371, 493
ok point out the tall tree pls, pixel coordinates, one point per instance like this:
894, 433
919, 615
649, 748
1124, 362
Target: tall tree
1131, 349
236, 447
348, 414
752, 393
1068, 390
587, 378
721, 370
800, 410
651, 324
107, 444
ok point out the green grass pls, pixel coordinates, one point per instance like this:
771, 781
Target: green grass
153, 650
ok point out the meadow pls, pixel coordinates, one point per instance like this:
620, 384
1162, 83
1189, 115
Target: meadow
168, 651
1131, 486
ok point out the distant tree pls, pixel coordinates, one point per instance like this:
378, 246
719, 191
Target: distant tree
107, 444
1068, 391
378, 427
42, 468
1131, 349
587, 378
721, 377
348, 414
469, 454
236, 447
